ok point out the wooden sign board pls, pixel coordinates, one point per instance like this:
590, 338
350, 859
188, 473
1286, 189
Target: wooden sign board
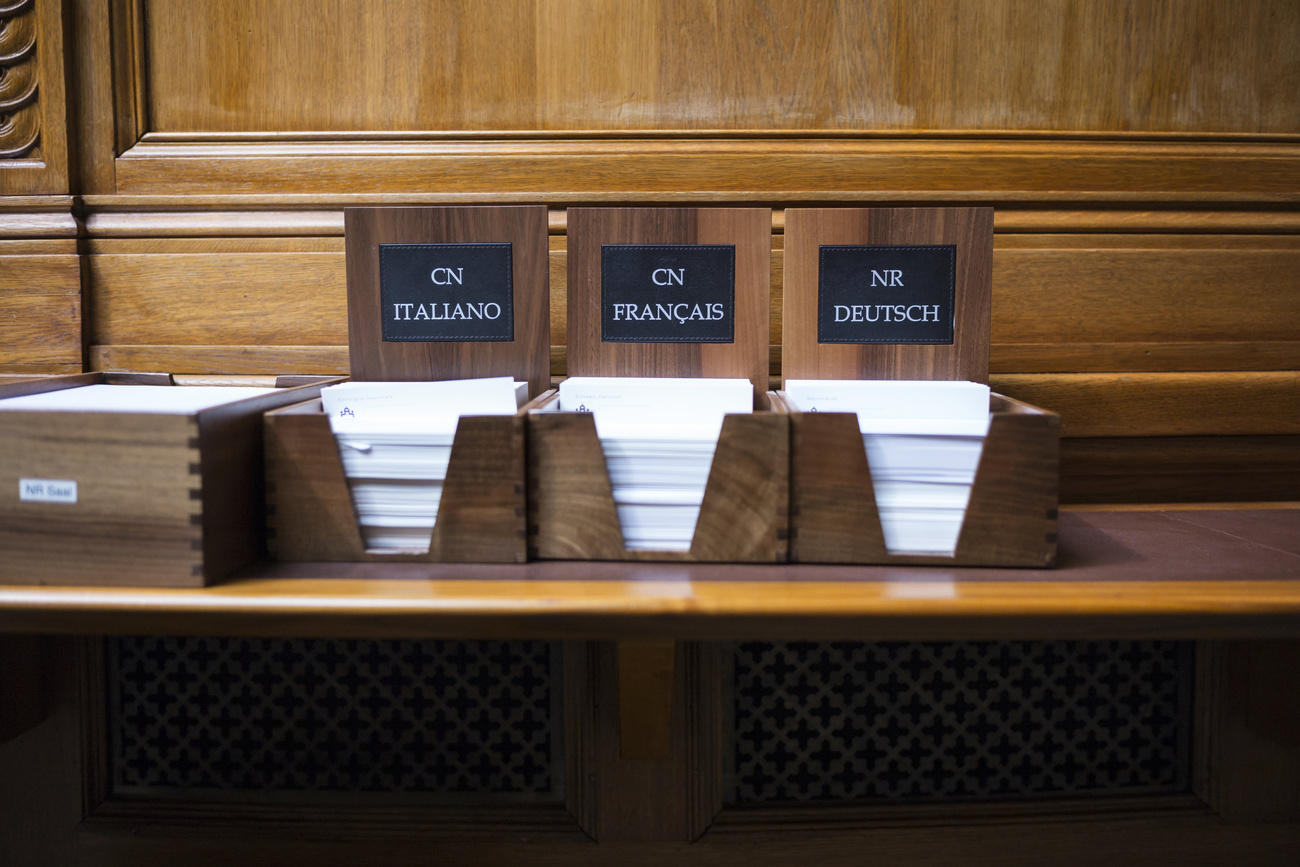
682, 325
887, 293
448, 293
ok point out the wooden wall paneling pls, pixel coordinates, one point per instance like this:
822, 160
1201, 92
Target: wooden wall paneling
40, 286
222, 292
226, 66
1163, 404
622, 789
1160, 469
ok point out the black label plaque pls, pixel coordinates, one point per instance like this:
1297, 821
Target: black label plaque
433, 292
886, 293
668, 293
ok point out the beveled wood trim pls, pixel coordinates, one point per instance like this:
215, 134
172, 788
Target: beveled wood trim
113, 215
250, 136
776, 170
130, 73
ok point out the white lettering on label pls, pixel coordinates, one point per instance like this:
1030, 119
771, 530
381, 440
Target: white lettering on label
886, 312
447, 311
47, 490
671, 276
888, 277
683, 313
447, 276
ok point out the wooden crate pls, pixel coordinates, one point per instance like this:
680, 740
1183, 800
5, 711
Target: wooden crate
481, 512
162, 499
743, 516
1011, 516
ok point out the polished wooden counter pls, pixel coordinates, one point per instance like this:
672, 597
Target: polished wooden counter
1169, 574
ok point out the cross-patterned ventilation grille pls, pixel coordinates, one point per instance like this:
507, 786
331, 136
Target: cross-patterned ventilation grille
860, 721
332, 715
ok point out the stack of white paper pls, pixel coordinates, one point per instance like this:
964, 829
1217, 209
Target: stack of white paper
923, 441
167, 399
395, 442
658, 436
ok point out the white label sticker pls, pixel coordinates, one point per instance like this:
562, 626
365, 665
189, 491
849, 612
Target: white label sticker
47, 490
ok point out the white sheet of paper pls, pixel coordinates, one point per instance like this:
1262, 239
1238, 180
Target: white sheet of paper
899, 406
656, 395
393, 408
166, 399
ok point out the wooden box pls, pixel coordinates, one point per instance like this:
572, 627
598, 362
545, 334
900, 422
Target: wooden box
1011, 517
743, 516
170, 500
481, 513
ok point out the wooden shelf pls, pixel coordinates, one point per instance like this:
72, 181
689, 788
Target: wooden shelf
1167, 574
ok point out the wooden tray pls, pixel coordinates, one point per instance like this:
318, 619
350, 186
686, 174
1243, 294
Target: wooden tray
481, 515
162, 499
310, 515
1010, 519
743, 518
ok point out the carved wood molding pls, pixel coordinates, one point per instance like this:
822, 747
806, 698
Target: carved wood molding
20, 119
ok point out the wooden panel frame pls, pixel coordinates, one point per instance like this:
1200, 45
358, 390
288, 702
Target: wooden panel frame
1219, 821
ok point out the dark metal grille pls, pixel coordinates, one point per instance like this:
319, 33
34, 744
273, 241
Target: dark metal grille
466, 717
859, 721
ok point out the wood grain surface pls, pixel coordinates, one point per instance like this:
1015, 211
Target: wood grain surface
970, 230
224, 66
666, 788
526, 357
1120, 574
174, 499
748, 229
683, 170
